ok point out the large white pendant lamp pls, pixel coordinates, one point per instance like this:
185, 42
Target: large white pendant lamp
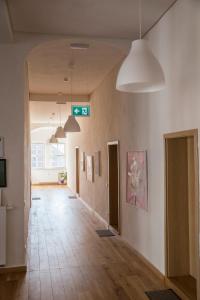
140, 72
72, 125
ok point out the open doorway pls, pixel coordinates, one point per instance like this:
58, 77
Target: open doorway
77, 171
113, 186
182, 212
48, 152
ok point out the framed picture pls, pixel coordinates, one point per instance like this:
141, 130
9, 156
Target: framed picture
82, 161
136, 192
97, 163
90, 168
3, 175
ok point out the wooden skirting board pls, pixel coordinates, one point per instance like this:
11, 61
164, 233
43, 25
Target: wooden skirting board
157, 273
105, 223
147, 263
16, 269
46, 183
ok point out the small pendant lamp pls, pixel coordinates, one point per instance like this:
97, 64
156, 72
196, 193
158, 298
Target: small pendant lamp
71, 124
53, 139
60, 134
140, 72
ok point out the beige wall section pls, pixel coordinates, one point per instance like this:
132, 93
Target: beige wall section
139, 122
12, 86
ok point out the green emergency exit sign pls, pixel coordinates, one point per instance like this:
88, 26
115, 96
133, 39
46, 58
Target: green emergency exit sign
80, 110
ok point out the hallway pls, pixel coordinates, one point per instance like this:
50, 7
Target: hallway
67, 260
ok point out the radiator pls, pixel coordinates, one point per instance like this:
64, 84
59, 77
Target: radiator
2, 236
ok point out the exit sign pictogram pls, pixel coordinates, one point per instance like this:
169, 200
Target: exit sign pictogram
81, 110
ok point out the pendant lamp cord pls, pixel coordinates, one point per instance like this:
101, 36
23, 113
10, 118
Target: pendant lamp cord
60, 114
140, 19
72, 60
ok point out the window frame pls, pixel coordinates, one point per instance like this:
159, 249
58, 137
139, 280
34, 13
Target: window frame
38, 168
45, 166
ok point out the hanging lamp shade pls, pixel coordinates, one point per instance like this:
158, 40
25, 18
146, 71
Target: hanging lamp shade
140, 72
72, 125
53, 139
60, 134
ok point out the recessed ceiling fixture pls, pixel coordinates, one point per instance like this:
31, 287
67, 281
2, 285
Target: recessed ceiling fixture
140, 72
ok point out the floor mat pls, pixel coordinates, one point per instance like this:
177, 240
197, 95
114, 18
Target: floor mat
162, 295
36, 198
104, 233
72, 197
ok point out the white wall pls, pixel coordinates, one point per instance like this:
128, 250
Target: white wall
12, 87
140, 121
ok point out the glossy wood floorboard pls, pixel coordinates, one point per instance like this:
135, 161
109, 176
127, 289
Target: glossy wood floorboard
67, 260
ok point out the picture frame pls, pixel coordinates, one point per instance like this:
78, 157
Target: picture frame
82, 161
136, 182
90, 168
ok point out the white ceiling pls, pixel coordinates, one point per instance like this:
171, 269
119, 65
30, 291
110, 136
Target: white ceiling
49, 64
97, 18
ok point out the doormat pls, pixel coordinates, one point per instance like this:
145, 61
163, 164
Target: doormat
36, 198
72, 197
162, 295
104, 233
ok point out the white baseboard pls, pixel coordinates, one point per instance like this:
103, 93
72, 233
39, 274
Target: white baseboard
97, 215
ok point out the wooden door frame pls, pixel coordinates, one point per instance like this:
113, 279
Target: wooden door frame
111, 143
183, 134
77, 167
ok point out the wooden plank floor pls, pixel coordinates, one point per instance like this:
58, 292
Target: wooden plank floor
67, 260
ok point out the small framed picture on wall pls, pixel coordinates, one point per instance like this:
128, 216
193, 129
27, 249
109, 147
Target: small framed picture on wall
136, 192
90, 168
82, 161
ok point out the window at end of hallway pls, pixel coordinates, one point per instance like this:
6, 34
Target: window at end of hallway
47, 156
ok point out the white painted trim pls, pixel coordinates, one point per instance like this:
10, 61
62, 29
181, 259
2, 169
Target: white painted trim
113, 143
97, 215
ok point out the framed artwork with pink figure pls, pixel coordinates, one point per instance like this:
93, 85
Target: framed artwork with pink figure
137, 193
